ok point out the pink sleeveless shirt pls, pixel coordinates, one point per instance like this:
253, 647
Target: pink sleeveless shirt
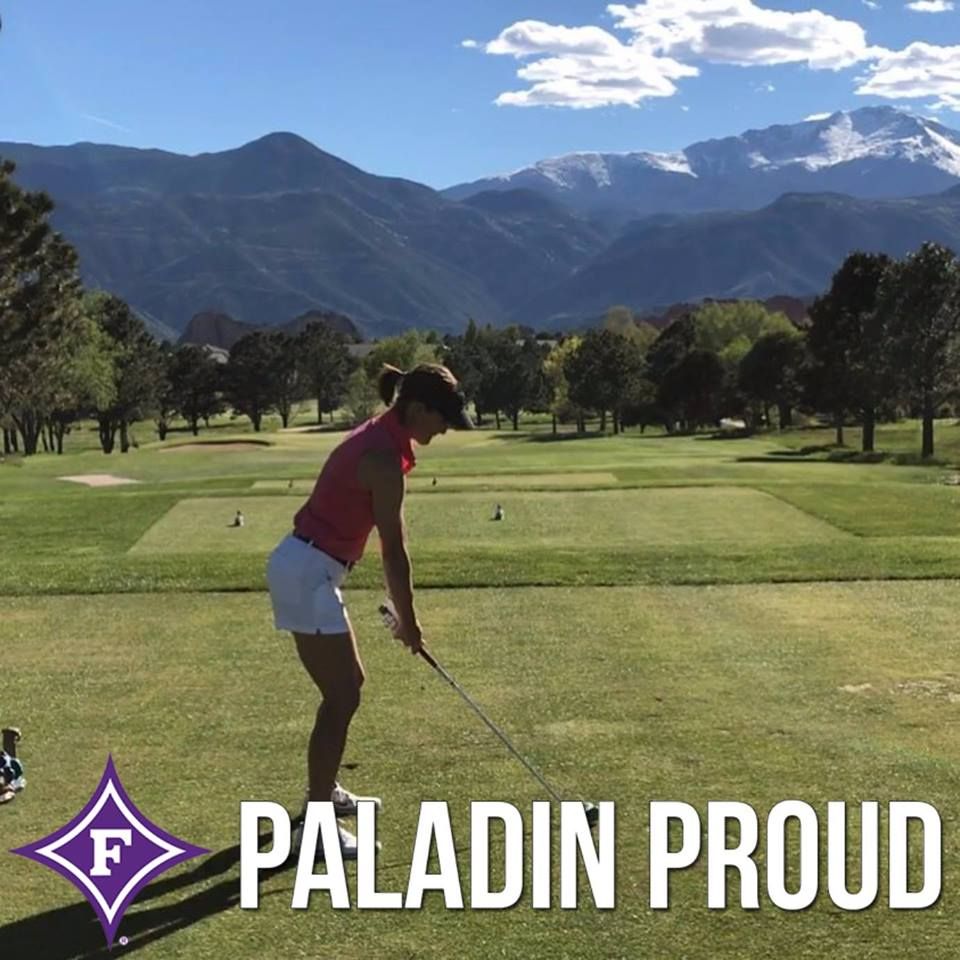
338, 516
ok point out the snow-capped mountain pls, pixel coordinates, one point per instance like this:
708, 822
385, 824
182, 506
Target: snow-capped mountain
873, 152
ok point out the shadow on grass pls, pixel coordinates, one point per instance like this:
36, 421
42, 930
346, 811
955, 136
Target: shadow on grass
844, 455
573, 435
219, 442
74, 933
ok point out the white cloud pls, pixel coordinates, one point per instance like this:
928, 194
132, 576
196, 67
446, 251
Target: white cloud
872, 4
665, 41
588, 66
583, 67
741, 33
817, 116
920, 70
469, 44
931, 6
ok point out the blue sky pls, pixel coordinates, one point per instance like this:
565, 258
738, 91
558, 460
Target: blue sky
392, 88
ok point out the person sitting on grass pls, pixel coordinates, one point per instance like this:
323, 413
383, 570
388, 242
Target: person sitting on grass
12, 780
361, 486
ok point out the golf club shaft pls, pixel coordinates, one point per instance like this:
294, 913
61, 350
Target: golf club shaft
479, 712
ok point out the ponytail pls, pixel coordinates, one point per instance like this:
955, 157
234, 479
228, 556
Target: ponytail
388, 382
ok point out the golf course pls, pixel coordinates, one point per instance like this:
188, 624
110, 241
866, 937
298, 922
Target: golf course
655, 618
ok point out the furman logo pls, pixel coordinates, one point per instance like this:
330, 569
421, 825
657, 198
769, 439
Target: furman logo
110, 851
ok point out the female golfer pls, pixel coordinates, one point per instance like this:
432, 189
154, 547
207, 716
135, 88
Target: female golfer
361, 486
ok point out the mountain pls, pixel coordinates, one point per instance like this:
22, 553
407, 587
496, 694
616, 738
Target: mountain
872, 153
278, 227
214, 329
796, 309
793, 246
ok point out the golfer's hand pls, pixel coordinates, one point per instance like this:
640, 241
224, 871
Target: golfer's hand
411, 635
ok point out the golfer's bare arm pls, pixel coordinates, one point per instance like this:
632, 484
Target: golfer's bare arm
380, 473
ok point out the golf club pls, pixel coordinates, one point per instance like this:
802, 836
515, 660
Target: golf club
392, 622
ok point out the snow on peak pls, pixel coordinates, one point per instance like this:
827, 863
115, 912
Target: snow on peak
566, 171
574, 170
881, 133
818, 142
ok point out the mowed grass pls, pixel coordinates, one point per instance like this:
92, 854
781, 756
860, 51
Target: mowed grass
545, 519
496, 481
670, 516
882, 509
757, 693
570, 623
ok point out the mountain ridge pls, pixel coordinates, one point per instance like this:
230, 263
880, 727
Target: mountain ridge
276, 227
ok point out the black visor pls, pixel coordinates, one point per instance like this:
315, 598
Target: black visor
453, 409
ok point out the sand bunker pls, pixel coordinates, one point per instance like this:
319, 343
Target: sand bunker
99, 480
230, 446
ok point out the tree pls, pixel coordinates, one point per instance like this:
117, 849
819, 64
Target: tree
138, 369
918, 305
623, 321
404, 352
325, 365
771, 373
693, 387
286, 383
50, 358
673, 343
558, 386
513, 379
468, 359
850, 369
737, 325
248, 376
85, 383
194, 385
603, 373
362, 397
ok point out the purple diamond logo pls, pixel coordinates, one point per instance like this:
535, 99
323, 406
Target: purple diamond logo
110, 851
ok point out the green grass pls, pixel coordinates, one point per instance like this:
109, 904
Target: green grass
626, 694
657, 618
491, 481
882, 509
540, 521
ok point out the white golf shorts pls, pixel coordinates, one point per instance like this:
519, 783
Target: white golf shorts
304, 585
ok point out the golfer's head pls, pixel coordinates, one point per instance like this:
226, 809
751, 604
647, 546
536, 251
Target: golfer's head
427, 399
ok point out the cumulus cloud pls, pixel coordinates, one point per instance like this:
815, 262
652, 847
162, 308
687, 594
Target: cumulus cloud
654, 44
469, 44
931, 6
919, 70
741, 33
583, 67
589, 66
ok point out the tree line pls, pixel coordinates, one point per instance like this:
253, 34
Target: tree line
880, 343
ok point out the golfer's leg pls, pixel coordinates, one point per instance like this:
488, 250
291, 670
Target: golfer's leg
333, 662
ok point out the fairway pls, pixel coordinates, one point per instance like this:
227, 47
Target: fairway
490, 481
640, 517
656, 618
687, 693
